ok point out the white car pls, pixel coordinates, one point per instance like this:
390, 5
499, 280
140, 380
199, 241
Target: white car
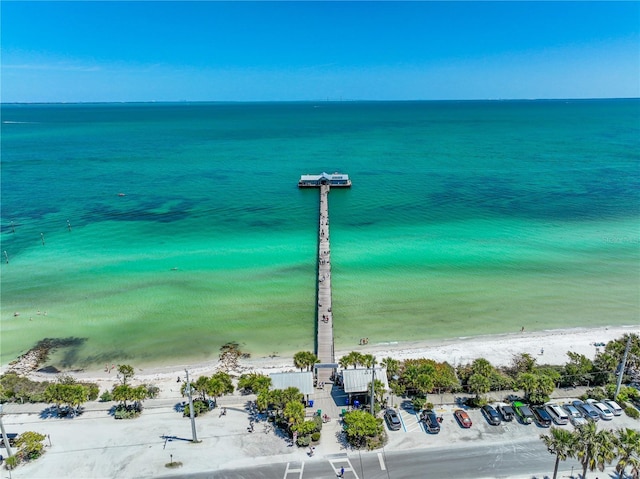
558, 414
616, 409
604, 412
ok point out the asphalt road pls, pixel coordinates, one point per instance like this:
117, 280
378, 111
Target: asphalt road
509, 460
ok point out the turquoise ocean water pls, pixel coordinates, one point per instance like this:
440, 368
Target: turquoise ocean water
465, 218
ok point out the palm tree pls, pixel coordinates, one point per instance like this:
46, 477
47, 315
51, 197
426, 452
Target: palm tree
628, 452
561, 443
367, 360
294, 413
479, 384
218, 384
202, 385
352, 359
606, 450
586, 446
594, 449
311, 359
300, 359
482, 366
392, 366
344, 361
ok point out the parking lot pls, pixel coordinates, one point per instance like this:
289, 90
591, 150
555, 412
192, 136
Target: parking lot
414, 434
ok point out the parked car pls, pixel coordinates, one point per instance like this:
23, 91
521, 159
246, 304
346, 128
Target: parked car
463, 418
491, 415
575, 416
558, 415
523, 412
587, 410
431, 421
507, 412
604, 412
393, 420
12, 436
543, 418
616, 409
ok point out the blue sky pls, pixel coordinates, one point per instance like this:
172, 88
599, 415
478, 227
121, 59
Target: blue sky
263, 51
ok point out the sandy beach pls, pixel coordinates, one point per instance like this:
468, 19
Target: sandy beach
140, 448
548, 347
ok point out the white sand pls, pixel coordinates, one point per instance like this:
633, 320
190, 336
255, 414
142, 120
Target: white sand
97, 446
498, 349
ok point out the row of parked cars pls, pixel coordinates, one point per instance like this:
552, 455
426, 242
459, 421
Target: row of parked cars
576, 413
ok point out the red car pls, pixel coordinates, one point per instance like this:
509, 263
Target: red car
463, 418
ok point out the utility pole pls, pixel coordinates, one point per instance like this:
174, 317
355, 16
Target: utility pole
4, 435
373, 381
191, 411
622, 367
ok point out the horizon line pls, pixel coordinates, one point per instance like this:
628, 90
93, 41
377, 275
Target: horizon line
327, 100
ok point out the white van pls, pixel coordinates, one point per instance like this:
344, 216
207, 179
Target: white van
557, 414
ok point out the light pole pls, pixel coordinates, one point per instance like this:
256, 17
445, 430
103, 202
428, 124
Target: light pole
4, 435
373, 381
191, 412
622, 367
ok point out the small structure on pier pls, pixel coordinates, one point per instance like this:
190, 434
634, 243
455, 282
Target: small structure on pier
315, 181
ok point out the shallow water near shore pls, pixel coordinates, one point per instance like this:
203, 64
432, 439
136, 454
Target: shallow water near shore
464, 219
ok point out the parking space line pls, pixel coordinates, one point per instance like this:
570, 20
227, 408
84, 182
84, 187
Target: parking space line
412, 420
381, 460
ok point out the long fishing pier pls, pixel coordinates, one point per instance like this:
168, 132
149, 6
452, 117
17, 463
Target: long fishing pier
324, 342
324, 313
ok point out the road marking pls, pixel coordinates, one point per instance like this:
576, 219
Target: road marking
290, 470
347, 468
382, 466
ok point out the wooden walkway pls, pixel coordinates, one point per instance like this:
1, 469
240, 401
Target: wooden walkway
324, 342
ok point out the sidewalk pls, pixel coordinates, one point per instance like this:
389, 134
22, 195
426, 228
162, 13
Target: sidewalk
331, 401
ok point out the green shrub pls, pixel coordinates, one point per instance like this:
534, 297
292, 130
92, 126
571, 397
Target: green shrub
315, 437
418, 403
106, 396
128, 412
596, 393
474, 402
122, 413
632, 412
376, 442
318, 422
303, 441
16, 388
625, 394
538, 398
199, 407
152, 391
92, 391
30, 445
12, 462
